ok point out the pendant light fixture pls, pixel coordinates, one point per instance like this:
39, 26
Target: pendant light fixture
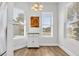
37, 7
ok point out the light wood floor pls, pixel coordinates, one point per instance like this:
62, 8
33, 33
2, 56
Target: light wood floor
42, 51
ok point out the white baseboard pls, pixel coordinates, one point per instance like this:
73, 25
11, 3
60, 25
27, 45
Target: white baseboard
44, 44
19, 47
47, 44
66, 50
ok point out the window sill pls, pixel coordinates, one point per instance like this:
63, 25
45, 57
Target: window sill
18, 37
47, 36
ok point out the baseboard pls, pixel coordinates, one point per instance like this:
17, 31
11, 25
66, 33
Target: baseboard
47, 44
22, 46
44, 44
66, 50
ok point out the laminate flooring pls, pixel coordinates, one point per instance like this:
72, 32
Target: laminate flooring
41, 51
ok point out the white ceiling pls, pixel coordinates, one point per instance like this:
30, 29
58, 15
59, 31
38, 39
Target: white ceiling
25, 5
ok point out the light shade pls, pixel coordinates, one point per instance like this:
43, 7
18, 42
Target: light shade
37, 7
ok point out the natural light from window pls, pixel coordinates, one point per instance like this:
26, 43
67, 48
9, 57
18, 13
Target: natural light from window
47, 24
18, 22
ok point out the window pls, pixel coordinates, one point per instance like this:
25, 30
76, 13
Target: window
72, 22
47, 24
18, 22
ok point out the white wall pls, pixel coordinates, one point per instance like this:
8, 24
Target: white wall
44, 41
69, 45
48, 7
3, 24
9, 29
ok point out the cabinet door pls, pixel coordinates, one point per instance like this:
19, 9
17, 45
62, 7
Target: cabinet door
36, 41
30, 41
33, 40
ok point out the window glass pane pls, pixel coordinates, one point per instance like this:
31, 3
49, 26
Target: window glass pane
18, 15
18, 29
46, 19
18, 22
46, 30
47, 24
73, 30
72, 24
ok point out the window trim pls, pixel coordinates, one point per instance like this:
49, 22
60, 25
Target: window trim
24, 26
